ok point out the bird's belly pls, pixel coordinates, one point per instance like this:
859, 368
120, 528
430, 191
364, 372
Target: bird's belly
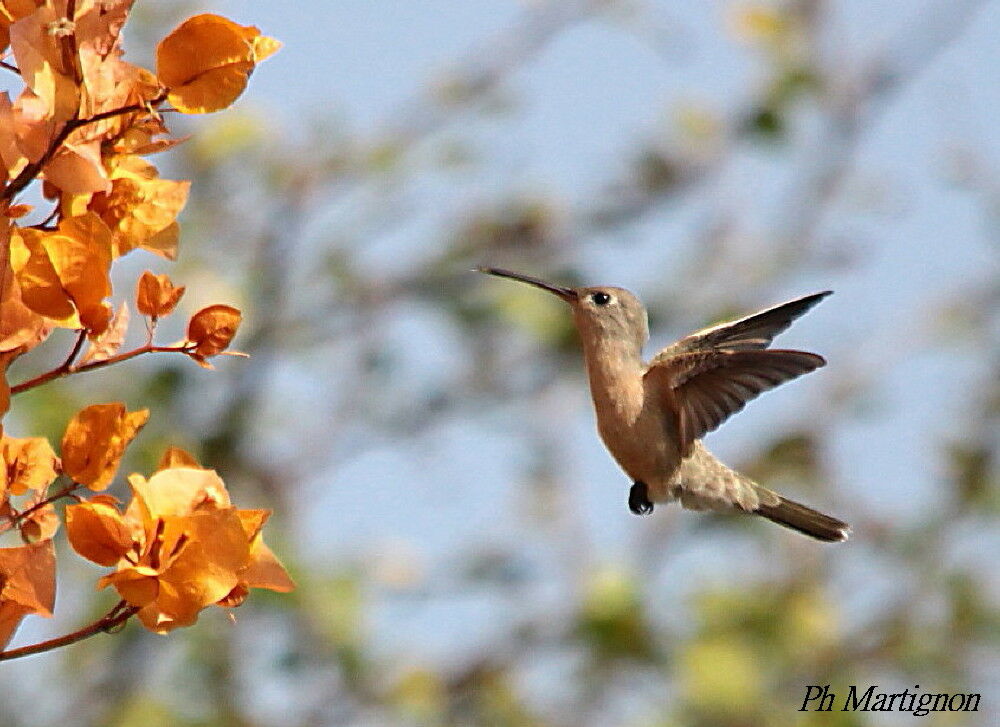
642, 447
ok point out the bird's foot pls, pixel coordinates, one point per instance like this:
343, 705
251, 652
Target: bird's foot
638, 499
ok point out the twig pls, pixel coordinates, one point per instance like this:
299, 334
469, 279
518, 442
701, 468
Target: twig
80, 338
10, 67
32, 170
62, 370
64, 492
115, 617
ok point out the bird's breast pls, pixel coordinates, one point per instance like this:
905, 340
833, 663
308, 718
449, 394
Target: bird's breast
636, 431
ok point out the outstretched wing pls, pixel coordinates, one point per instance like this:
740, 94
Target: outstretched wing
705, 388
747, 334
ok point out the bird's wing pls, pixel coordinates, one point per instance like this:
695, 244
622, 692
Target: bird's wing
707, 387
747, 334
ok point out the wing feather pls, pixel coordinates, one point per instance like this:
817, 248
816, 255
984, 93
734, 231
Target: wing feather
709, 387
753, 333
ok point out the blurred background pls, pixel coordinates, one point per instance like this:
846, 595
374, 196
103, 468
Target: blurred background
460, 538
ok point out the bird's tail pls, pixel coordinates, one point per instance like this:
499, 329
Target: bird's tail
804, 519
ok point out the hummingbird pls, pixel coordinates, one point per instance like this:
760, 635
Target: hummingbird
652, 416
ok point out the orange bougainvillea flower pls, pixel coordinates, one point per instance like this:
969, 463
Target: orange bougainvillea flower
179, 547
95, 441
27, 584
156, 295
206, 61
211, 330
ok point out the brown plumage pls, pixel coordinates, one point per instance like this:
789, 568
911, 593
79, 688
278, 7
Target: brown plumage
653, 416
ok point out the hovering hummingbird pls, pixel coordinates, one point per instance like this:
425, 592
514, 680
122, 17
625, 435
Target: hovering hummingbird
652, 416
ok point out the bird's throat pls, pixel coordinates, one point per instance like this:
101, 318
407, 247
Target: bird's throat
614, 368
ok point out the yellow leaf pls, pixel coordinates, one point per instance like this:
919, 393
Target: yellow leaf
205, 62
177, 491
264, 47
95, 441
28, 464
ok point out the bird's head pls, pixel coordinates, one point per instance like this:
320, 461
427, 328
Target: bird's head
602, 313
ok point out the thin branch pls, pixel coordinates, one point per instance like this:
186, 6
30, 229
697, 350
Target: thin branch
61, 371
32, 170
114, 618
10, 67
67, 491
80, 338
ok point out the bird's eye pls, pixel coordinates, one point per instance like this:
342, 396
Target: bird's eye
601, 298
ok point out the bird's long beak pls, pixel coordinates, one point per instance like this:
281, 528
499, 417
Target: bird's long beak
567, 294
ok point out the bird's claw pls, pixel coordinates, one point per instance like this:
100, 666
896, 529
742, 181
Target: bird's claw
638, 499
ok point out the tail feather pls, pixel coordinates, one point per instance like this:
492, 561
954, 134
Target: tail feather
805, 520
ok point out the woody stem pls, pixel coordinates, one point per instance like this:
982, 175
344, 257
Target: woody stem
64, 370
115, 617
64, 492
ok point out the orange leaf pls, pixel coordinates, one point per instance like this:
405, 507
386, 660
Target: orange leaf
78, 169
141, 207
28, 464
10, 617
38, 48
156, 296
5, 358
28, 576
139, 586
98, 532
16, 211
212, 329
177, 457
107, 344
95, 441
20, 327
265, 570
63, 274
41, 290
12, 158
205, 62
